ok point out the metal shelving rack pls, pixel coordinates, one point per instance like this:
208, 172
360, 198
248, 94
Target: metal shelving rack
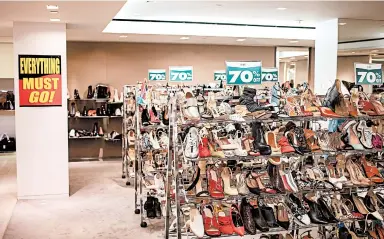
128, 164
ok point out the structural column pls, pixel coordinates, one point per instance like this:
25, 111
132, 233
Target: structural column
41, 129
326, 44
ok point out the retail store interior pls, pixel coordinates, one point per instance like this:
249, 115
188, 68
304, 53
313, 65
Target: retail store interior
191, 119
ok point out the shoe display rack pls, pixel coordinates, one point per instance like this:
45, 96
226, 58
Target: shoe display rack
151, 151
129, 133
238, 167
95, 123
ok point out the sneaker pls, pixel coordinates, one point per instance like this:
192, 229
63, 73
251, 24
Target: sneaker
191, 144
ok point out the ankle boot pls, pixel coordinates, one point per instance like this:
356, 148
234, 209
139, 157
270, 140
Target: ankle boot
259, 143
90, 92
149, 206
98, 112
76, 95
247, 99
85, 112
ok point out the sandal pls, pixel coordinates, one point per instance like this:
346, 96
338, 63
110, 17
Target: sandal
371, 171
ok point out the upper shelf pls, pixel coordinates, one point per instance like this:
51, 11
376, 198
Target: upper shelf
97, 100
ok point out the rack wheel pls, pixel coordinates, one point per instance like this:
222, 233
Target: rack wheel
143, 224
137, 211
123, 176
128, 183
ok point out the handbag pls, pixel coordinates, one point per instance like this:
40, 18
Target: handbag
7, 143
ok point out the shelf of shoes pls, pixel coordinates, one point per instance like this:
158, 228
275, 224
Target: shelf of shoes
87, 137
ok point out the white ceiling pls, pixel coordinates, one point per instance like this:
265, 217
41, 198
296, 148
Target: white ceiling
87, 19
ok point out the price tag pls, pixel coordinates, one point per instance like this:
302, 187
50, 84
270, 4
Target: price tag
269, 74
243, 73
180, 73
219, 75
368, 74
156, 74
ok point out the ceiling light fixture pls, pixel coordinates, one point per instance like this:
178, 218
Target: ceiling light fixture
281, 8
375, 50
52, 7
123, 36
54, 20
306, 56
240, 39
353, 52
54, 12
342, 23
184, 38
293, 41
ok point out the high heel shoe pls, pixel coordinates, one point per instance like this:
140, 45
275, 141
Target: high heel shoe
271, 141
353, 174
260, 183
246, 214
332, 178
371, 171
252, 185
241, 184
370, 202
226, 175
215, 183
282, 216
353, 139
211, 225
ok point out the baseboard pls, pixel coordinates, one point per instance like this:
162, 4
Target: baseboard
47, 196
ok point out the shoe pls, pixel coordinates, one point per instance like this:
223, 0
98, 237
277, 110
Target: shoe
204, 148
312, 140
95, 130
371, 171
326, 211
282, 216
196, 223
118, 112
269, 216
224, 218
190, 108
246, 215
332, 178
144, 117
237, 221
258, 218
215, 183
72, 111
154, 118
218, 113
271, 141
353, 138
259, 143
226, 175
365, 134
149, 207
76, 95
211, 225
72, 133
260, 184
332, 94
241, 184
314, 213
252, 185
356, 176
85, 111
154, 141
285, 146
90, 92
157, 208
191, 151
101, 133
223, 141
299, 209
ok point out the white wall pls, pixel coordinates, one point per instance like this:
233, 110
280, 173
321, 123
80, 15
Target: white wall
6, 60
41, 132
301, 72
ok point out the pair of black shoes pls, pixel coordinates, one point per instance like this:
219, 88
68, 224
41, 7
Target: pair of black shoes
152, 207
259, 144
257, 217
101, 111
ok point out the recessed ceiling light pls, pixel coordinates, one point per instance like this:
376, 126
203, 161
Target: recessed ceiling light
353, 52
241, 39
184, 38
292, 58
293, 41
306, 56
54, 12
52, 7
54, 20
123, 36
281, 8
375, 54
342, 23
219, 5
375, 50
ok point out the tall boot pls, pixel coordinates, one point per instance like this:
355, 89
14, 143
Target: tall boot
85, 111
95, 130
90, 92
76, 95
259, 143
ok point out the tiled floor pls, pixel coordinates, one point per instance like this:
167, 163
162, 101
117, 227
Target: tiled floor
100, 206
